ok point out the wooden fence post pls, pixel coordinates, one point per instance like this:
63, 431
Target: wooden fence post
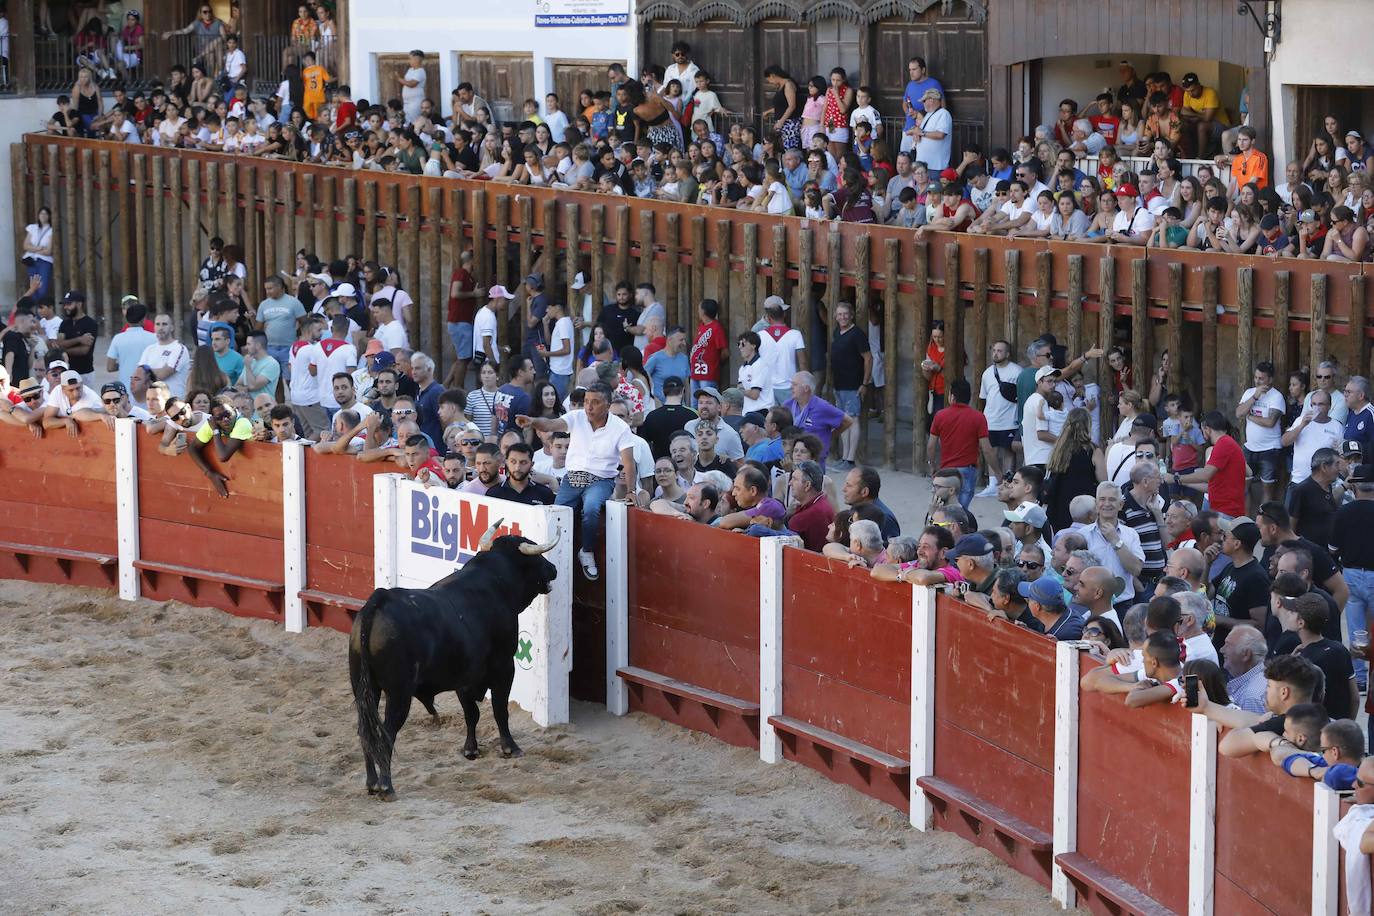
1044, 290
1012, 290
176, 241
891, 318
672, 277
105, 228
863, 250
1317, 338
23, 209
140, 226
749, 295
622, 243
698, 273
1281, 331
724, 240
1210, 368
1175, 326
954, 317
71, 184
780, 262
1141, 334
1074, 334
94, 298
1106, 323
1358, 354
438, 278
834, 281
979, 337
1245, 324
920, 320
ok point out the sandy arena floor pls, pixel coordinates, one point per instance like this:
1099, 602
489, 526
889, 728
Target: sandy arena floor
166, 759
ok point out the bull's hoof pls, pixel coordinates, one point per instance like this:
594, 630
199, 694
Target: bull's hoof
512, 751
373, 789
471, 753
387, 795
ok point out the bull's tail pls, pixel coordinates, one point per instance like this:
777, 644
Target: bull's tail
376, 743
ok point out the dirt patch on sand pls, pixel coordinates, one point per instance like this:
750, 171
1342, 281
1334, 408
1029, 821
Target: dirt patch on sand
166, 759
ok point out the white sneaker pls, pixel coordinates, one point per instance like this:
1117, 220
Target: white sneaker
988, 492
588, 561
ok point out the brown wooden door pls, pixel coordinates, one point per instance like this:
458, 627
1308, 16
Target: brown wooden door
504, 80
790, 46
735, 55
570, 77
955, 50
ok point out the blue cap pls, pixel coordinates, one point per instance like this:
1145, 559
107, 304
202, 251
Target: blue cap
1044, 590
970, 545
383, 360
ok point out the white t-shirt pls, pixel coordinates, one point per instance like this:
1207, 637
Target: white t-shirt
126, 348
39, 237
866, 113
651, 310
1120, 460
484, 326
392, 335
557, 123
1014, 211
1142, 221
334, 358
1259, 438
935, 153
1314, 436
782, 356
174, 354
755, 375
779, 199
1000, 413
305, 388
1035, 451
1200, 648
1040, 219
543, 464
562, 333
596, 451
65, 407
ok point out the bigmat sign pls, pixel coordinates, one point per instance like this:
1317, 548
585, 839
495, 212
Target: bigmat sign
424, 534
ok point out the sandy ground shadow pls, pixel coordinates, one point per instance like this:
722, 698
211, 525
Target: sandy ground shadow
166, 759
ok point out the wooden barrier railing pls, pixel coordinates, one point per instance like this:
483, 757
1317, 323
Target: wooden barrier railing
137, 219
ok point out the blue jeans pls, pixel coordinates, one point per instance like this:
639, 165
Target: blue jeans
460, 332
968, 483
283, 357
560, 383
588, 503
849, 402
43, 271
1358, 610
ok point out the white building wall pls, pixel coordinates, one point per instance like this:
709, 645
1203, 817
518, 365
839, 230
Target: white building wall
1323, 43
488, 26
17, 117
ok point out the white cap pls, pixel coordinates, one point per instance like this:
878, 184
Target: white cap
579, 282
346, 289
1045, 372
500, 292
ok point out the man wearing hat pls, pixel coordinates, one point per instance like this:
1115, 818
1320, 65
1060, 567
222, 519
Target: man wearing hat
1203, 113
1027, 523
1140, 445
66, 398
114, 401
933, 134
779, 344
1133, 222
28, 408
1037, 440
710, 404
1272, 241
1045, 600
485, 346
76, 335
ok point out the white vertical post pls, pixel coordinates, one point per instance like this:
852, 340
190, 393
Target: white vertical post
770, 645
922, 702
384, 530
293, 532
1065, 769
126, 505
617, 605
1326, 813
1202, 818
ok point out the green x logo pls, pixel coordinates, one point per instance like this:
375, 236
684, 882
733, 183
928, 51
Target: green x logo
525, 654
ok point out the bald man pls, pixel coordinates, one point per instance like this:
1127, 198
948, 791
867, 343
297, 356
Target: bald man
1096, 589
1188, 564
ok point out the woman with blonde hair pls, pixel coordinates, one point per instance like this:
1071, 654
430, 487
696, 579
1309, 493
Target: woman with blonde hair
1075, 466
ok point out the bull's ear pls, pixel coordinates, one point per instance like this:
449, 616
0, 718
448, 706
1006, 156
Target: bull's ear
489, 536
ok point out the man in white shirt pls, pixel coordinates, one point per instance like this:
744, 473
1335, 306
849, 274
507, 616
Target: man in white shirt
864, 111
122, 129
683, 69
389, 331
646, 300
554, 117
1324, 379
66, 398
599, 445
126, 348
1133, 222
1315, 429
1003, 431
934, 134
306, 359
1115, 545
559, 352
337, 356
1036, 439
484, 334
1262, 407
167, 357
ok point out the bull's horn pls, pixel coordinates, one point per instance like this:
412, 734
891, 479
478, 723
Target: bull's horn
485, 542
534, 550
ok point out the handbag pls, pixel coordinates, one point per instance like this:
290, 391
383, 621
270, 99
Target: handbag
1006, 389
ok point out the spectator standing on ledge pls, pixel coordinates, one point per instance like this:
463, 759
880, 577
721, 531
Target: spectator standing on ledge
76, 335
599, 445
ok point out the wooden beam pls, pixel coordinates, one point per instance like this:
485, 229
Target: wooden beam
1245, 326
891, 320
954, 316
1317, 337
1106, 323
1175, 326
1074, 334
1357, 358
1141, 333
979, 336
863, 249
1012, 288
1282, 288
920, 320
1210, 366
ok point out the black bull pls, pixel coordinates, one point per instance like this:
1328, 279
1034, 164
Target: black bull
459, 634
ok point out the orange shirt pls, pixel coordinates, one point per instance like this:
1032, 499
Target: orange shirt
313, 78
1251, 166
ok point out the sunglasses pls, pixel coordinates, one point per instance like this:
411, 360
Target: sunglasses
30, 398
1028, 564
110, 400
469, 441
1094, 631
1145, 456
402, 412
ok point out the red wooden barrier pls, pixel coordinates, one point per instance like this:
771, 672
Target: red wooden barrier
694, 626
59, 507
846, 682
994, 728
1134, 778
197, 547
339, 572
1263, 838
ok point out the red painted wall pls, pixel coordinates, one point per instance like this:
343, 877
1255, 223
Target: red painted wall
1263, 838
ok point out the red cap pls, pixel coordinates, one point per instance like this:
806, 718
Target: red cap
949, 175
1127, 189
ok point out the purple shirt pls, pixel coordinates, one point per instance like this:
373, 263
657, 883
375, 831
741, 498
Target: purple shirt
820, 418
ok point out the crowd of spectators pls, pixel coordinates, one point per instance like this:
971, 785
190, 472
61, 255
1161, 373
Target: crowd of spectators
1108, 171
